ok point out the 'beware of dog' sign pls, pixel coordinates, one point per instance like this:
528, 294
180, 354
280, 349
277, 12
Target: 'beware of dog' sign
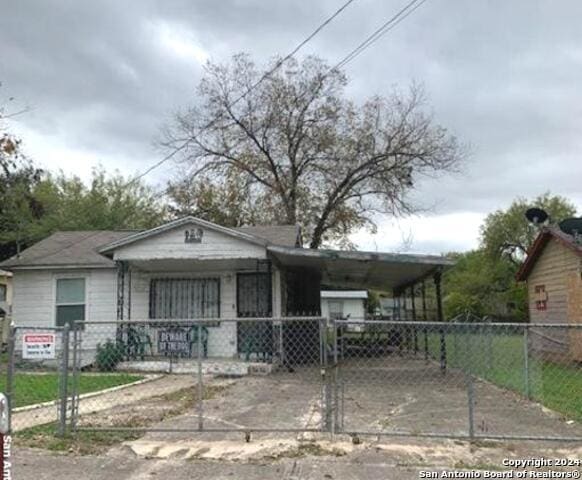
38, 346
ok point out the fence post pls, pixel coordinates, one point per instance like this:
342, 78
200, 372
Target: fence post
200, 385
526, 361
10, 373
77, 364
325, 379
471, 400
64, 374
335, 379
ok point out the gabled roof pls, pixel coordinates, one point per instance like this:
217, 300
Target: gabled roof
545, 235
278, 235
78, 248
87, 248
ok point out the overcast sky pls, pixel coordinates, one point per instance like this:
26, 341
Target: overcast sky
102, 77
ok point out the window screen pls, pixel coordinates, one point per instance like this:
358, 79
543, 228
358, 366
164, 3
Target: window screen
70, 301
185, 298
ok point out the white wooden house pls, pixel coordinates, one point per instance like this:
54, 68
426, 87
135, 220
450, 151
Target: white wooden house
191, 269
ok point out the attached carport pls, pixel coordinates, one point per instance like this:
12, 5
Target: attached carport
406, 275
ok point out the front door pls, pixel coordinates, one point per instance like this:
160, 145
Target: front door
254, 300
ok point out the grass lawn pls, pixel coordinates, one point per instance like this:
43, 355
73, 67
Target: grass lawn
500, 359
82, 443
37, 388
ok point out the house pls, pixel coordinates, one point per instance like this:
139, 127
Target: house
5, 304
192, 269
553, 272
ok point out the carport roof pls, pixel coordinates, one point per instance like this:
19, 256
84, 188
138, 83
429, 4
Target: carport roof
371, 270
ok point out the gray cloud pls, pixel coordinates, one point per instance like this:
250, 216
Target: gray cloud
102, 77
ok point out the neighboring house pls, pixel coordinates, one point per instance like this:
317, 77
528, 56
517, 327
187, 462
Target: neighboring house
5, 304
553, 271
191, 269
5, 292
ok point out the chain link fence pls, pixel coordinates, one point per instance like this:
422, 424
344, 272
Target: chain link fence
521, 381
300, 374
36, 376
185, 375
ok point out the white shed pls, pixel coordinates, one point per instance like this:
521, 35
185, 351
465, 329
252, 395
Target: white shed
344, 304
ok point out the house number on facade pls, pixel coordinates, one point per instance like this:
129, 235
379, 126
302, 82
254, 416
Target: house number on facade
193, 235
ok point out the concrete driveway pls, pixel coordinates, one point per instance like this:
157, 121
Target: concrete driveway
402, 395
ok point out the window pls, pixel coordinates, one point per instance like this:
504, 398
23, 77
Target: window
336, 309
541, 297
185, 298
2, 293
70, 301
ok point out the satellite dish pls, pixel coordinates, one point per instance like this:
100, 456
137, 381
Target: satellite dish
571, 226
536, 215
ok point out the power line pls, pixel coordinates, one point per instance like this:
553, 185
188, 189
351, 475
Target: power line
403, 13
251, 88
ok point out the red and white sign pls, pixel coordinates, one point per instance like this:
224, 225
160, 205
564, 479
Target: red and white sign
38, 346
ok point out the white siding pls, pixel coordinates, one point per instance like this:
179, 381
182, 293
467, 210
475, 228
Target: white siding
34, 295
34, 302
171, 244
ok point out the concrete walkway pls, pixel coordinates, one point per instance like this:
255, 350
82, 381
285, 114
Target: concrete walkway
110, 399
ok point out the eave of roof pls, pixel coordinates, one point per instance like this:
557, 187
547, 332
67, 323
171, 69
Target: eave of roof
547, 234
178, 223
359, 270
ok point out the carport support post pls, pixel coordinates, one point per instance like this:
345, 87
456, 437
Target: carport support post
64, 376
440, 318
424, 319
415, 334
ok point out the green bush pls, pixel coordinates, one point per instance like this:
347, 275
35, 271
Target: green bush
108, 356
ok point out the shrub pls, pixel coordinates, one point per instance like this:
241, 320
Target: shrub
108, 356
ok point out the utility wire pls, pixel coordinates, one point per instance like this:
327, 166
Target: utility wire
407, 10
390, 24
250, 89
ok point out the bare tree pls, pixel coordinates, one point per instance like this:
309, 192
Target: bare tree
320, 159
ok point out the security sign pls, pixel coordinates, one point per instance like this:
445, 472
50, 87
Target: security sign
38, 346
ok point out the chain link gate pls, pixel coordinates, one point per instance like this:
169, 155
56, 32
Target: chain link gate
37, 377
189, 375
303, 374
458, 380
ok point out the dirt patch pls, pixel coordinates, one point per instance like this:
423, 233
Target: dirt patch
152, 410
138, 415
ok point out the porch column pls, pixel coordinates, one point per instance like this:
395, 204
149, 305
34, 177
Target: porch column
120, 265
440, 318
415, 332
129, 292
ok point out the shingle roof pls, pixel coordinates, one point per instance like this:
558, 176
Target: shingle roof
81, 247
67, 248
283, 235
